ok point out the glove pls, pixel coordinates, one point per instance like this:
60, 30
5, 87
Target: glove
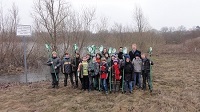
51, 62
55, 67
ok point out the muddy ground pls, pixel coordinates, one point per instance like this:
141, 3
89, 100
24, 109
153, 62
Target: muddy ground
176, 81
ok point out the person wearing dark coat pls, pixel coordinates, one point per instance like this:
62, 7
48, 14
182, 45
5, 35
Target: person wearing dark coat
67, 69
54, 62
120, 54
75, 64
132, 55
146, 63
133, 52
128, 74
93, 69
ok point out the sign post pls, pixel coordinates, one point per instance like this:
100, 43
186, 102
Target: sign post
24, 30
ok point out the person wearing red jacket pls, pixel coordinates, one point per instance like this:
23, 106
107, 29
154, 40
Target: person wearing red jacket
104, 74
116, 75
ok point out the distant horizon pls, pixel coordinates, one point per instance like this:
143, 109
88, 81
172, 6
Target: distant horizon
165, 13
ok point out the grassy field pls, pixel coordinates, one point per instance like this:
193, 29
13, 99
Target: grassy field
176, 81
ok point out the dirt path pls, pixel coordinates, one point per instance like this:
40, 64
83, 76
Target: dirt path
176, 88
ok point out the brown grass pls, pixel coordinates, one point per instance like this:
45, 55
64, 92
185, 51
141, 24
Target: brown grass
176, 88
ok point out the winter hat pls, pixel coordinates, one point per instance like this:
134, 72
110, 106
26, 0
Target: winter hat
113, 55
115, 60
127, 56
137, 54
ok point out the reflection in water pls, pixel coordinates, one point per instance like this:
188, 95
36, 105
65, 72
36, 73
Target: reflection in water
39, 75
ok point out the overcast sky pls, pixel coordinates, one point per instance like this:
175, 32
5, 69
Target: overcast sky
160, 13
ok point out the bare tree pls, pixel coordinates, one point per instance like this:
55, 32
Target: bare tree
50, 14
140, 20
103, 25
88, 17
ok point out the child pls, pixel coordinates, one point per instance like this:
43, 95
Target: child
88, 56
146, 63
83, 71
67, 69
98, 58
116, 75
128, 74
137, 63
75, 64
54, 62
104, 74
93, 74
108, 60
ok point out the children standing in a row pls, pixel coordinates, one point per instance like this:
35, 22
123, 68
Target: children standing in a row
94, 73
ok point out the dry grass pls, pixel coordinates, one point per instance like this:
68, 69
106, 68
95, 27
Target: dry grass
176, 88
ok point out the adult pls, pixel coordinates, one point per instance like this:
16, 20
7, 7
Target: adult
132, 55
133, 52
120, 54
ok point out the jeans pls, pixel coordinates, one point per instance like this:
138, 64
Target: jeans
128, 86
104, 84
137, 74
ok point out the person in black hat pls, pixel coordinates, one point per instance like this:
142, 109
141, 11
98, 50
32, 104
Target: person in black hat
128, 74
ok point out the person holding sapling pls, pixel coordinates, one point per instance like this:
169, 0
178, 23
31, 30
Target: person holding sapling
108, 60
146, 63
54, 62
128, 74
67, 69
75, 64
93, 74
83, 72
116, 75
104, 74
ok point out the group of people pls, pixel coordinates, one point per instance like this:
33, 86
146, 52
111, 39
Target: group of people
103, 72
